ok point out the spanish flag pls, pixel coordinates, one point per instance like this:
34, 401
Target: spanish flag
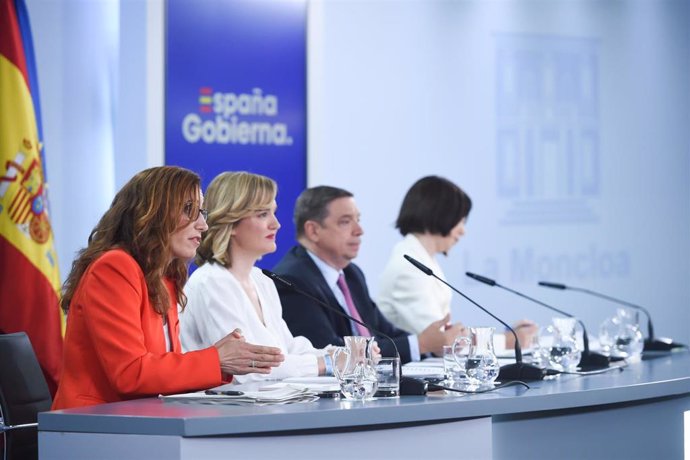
29, 277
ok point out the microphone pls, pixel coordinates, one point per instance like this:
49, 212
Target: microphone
588, 360
408, 385
517, 371
651, 343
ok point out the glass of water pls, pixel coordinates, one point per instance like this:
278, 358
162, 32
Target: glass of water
388, 376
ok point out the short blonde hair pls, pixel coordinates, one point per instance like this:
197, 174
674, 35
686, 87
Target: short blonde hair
230, 197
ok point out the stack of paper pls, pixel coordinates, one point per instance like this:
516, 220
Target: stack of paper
429, 368
284, 395
315, 384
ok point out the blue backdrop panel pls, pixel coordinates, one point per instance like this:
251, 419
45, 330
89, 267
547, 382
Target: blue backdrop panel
236, 94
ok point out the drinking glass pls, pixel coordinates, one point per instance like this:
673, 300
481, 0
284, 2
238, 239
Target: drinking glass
388, 378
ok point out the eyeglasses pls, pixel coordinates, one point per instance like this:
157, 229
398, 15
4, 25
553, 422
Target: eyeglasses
192, 211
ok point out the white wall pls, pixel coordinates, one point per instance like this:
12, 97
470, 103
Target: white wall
402, 89
100, 69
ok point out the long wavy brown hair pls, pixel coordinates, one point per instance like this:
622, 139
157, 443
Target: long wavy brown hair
142, 217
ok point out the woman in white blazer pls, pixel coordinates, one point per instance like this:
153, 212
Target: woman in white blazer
228, 292
432, 220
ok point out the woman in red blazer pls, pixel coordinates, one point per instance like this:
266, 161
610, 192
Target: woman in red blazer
122, 339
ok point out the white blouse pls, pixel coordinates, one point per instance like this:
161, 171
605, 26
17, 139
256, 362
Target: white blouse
217, 304
407, 297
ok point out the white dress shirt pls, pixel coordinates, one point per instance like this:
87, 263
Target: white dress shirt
409, 298
217, 304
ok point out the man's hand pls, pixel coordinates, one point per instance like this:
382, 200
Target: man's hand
437, 334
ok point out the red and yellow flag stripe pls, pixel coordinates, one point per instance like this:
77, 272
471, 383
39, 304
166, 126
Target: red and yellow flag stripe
30, 281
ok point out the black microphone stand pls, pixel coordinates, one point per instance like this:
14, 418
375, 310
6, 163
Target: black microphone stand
408, 385
650, 343
589, 360
517, 371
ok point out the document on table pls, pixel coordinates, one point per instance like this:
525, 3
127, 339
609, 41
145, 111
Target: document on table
314, 384
286, 394
431, 368
509, 353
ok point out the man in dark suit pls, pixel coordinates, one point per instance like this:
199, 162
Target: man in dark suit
329, 235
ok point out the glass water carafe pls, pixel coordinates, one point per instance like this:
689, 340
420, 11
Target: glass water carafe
481, 364
620, 336
564, 353
354, 368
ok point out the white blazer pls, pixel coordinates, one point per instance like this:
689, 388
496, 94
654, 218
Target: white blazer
217, 304
410, 299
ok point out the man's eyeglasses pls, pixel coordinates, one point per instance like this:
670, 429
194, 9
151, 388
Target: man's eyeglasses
192, 211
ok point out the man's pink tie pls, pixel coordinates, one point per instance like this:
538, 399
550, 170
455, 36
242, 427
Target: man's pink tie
351, 306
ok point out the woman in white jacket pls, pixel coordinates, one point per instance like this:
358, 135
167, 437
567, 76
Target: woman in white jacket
228, 292
432, 219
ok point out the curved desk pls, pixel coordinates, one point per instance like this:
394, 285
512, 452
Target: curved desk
633, 413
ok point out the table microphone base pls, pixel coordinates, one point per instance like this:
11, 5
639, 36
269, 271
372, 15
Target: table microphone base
409, 386
661, 344
520, 371
593, 361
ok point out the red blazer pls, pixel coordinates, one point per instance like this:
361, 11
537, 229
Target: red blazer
114, 346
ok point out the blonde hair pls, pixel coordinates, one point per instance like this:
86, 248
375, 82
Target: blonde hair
230, 197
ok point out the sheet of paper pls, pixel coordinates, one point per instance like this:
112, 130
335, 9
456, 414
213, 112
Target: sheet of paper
430, 368
281, 395
315, 384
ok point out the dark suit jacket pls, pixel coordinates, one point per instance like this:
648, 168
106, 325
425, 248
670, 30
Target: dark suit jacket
306, 317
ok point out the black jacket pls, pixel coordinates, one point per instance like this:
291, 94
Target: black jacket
306, 317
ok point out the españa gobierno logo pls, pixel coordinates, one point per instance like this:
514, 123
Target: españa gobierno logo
236, 118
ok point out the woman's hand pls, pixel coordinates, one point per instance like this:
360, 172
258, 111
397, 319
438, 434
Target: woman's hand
237, 357
375, 351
